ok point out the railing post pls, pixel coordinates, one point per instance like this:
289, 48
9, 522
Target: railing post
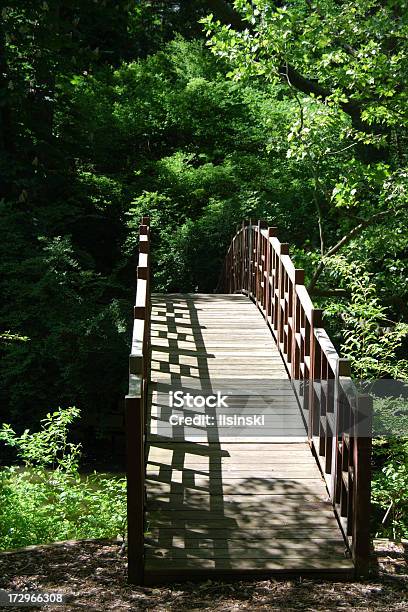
299, 279
250, 258
134, 416
135, 404
362, 485
272, 231
283, 250
342, 370
243, 253
259, 264
314, 370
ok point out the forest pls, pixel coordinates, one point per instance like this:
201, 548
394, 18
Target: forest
199, 114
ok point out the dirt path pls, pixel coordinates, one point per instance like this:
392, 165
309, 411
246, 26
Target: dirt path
92, 575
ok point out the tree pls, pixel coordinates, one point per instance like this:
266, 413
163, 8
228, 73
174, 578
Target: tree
351, 61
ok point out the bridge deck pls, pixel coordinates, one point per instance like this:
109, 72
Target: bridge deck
223, 500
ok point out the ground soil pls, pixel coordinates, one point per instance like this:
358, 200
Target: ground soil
92, 575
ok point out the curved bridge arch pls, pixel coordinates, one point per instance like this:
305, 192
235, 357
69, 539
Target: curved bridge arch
292, 497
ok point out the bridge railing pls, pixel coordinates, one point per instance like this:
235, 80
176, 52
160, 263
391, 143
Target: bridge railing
135, 409
338, 418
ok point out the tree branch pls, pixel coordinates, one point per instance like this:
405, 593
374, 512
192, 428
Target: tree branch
311, 86
337, 292
349, 236
227, 14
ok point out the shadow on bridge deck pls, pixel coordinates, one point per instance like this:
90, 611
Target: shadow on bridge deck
224, 500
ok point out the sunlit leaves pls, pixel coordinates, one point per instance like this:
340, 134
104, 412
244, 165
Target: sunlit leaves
49, 500
370, 340
358, 49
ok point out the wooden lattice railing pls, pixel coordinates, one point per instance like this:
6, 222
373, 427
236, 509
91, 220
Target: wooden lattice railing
338, 418
135, 409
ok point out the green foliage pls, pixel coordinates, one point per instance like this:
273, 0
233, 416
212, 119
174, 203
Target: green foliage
347, 124
390, 487
390, 416
345, 47
56, 297
47, 499
390, 455
7, 336
109, 110
372, 343
49, 447
369, 341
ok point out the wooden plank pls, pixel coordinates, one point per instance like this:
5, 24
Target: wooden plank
214, 328
135, 486
221, 357
203, 322
265, 389
244, 485
266, 500
217, 324
190, 462
247, 508
281, 416
289, 534
168, 450
222, 344
234, 472
189, 380
302, 563
290, 425
208, 371
197, 438
192, 520
297, 456
228, 550
200, 454
222, 366
257, 485
213, 346
196, 434
216, 360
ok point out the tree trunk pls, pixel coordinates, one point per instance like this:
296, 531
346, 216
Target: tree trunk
7, 143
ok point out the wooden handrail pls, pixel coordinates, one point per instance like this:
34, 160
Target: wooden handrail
259, 265
135, 409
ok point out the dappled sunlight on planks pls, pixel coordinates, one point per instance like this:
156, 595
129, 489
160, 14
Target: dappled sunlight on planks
226, 505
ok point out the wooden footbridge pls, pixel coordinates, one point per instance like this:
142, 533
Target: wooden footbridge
291, 497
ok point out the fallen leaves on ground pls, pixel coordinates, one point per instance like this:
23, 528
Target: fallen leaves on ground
92, 575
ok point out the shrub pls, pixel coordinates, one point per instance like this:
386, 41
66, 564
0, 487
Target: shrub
46, 498
390, 487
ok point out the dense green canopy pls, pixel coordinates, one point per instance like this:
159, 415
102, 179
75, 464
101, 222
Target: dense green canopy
295, 112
